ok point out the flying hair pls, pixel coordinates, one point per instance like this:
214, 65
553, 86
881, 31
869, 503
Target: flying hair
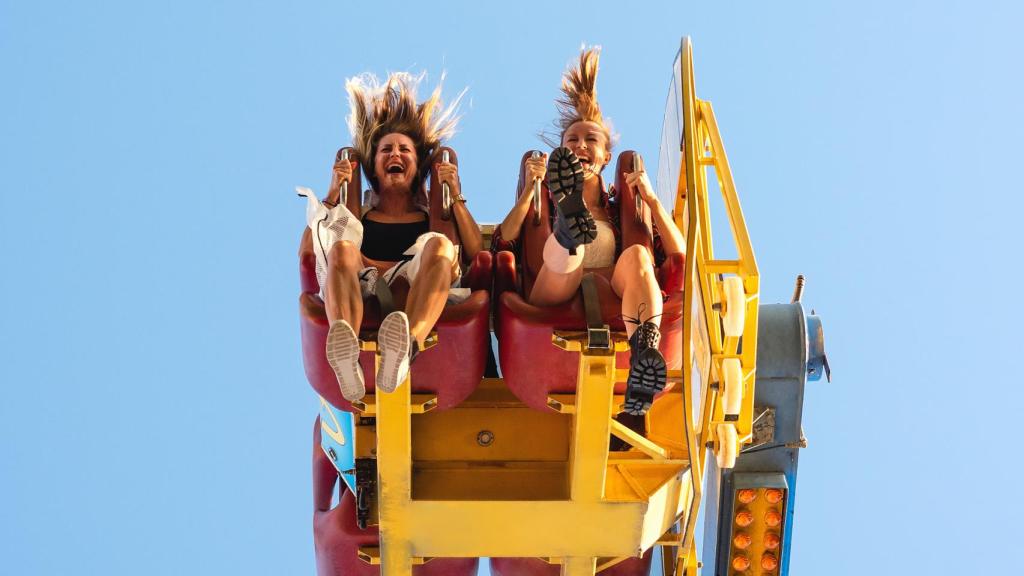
378, 109
579, 97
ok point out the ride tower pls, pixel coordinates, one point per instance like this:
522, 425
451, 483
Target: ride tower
538, 469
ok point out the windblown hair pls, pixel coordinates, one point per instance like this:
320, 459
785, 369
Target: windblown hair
579, 87
381, 109
579, 97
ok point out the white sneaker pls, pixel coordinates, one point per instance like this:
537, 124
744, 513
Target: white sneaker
394, 343
343, 356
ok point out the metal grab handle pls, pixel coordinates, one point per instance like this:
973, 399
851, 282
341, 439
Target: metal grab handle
344, 185
446, 193
638, 214
536, 193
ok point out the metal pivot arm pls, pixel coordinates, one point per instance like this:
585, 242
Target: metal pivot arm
536, 193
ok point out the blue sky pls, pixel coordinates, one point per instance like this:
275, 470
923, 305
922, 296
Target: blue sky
155, 414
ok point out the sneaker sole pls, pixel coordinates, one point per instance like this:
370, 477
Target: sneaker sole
343, 356
394, 342
565, 181
646, 379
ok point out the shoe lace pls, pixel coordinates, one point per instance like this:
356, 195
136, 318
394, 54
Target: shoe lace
647, 333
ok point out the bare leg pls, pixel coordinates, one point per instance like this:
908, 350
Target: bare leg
344, 303
428, 291
559, 277
635, 282
343, 298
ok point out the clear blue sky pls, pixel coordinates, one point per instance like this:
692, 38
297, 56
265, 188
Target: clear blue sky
154, 414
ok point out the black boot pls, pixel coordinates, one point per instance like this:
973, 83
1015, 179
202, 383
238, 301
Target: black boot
574, 224
647, 369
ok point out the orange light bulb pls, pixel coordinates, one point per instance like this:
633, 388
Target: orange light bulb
742, 540
740, 563
744, 518
772, 518
769, 561
773, 495
746, 495
771, 540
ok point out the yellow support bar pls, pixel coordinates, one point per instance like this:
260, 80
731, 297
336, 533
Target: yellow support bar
589, 456
637, 441
702, 150
394, 479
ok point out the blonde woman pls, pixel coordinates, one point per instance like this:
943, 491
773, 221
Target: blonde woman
586, 232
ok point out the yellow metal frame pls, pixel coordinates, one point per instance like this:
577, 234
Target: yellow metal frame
492, 477
703, 150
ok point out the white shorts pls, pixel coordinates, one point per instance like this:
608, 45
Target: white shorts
331, 225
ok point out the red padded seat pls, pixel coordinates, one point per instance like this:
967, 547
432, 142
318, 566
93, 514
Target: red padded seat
533, 368
463, 337
337, 538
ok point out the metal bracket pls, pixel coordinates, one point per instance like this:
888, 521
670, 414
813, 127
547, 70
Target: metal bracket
599, 338
366, 489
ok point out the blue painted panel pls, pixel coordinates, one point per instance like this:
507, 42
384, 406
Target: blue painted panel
336, 440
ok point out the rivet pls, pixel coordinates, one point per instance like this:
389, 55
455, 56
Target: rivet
485, 438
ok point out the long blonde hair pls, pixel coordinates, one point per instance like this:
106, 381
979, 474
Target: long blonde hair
579, 95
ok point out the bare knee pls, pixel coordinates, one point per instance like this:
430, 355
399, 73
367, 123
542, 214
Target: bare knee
638, 259
439, 247
344, 255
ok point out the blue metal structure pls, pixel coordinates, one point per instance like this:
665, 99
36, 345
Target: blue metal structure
790, 351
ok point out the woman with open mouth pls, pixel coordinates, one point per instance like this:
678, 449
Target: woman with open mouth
586, 232
395, 138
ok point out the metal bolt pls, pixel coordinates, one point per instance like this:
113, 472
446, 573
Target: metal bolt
485, 438
333, 456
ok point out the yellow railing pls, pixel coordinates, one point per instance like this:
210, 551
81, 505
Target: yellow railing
705, 345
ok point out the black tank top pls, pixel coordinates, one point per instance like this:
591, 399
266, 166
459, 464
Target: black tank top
388, 241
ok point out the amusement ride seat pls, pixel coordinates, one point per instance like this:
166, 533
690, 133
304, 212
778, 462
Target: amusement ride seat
462, 330
533, 368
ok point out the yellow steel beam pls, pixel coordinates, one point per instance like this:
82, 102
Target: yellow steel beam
371, 555
607, 563
394, 479
637, 441
685, 200
591, 427
419, 404
732, 202
557, 528
579, 566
